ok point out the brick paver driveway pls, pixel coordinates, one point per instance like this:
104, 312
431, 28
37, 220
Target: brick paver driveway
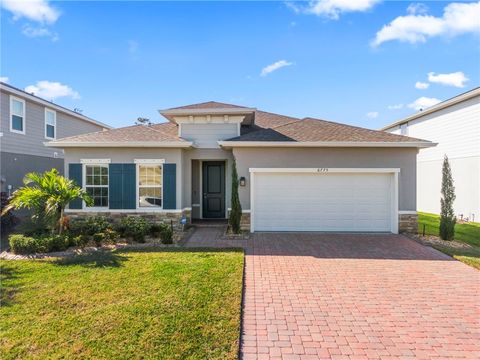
356, 296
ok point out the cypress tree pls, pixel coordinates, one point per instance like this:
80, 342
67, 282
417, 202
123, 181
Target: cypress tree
447, 216
236, 212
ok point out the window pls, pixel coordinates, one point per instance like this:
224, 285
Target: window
50, 123
404, 129
149, 185
17, 115
96, 184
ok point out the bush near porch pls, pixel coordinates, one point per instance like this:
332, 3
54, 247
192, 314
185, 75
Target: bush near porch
123, 304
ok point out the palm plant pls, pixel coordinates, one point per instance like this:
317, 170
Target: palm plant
47, 195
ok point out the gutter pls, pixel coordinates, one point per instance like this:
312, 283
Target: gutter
295, 144
145, 144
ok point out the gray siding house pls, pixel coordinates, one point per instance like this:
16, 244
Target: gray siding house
295, 174
26, 123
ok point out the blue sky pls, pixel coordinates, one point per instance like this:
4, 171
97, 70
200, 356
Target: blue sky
121, 60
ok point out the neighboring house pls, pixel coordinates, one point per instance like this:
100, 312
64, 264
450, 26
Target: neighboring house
27, 122
455, 125
295, 174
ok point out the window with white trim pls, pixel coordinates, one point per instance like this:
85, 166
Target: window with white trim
96, 184
50, 124
17, 115
150, 185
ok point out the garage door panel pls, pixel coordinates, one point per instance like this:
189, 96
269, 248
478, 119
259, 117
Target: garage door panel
322, 202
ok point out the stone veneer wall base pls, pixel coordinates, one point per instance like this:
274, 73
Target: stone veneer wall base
408, 223
157, 217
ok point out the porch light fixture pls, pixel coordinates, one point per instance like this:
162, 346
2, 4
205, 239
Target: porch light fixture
242, 181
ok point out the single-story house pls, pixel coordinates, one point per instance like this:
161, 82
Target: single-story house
295, 174
453, 124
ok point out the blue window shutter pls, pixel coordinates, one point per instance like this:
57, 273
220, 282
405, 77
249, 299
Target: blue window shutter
115, 186
75, 174
170, 186
129, 186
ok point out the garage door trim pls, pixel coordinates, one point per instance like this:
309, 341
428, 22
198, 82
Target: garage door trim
394, 194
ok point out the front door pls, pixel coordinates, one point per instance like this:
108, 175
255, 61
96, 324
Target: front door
213, 189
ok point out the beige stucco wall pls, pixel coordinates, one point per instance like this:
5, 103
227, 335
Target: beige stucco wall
403, 158
128, 155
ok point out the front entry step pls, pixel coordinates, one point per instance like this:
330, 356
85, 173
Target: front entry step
202, 223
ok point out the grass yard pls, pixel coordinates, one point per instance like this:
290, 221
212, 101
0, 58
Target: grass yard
123, 304
468, 233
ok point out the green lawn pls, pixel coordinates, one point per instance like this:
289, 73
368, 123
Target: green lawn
467, 233
124, 304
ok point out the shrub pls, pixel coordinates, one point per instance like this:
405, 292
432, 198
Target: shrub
135, 228
447, 216
155, 230
22, 244
90, 225
166, 234
8, 220
108, 236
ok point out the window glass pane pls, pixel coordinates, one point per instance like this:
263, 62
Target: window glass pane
150, 197
17, 123
17, 107
50, 117
96, 181
50, 131
150, 186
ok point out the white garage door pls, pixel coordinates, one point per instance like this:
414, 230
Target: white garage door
322, 201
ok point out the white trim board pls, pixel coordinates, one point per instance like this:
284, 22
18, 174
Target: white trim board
325, 170
95, 161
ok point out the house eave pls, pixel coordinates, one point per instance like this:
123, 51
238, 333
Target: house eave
440, 106
23, 94
122, 144
232, 144
212, 111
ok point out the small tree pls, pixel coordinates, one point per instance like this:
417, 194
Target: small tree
236, 212
447, 216
47, 195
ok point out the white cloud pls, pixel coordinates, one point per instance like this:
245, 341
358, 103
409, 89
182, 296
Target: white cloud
417, 8
39, 32
52, 90
372, 114
457, 79
423, 102
421, 85
35, 10
275, 66
333, 8
417, 27
4, 79
395, 107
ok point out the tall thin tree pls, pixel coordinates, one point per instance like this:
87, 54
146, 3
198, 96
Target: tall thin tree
447, 216
236, 212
